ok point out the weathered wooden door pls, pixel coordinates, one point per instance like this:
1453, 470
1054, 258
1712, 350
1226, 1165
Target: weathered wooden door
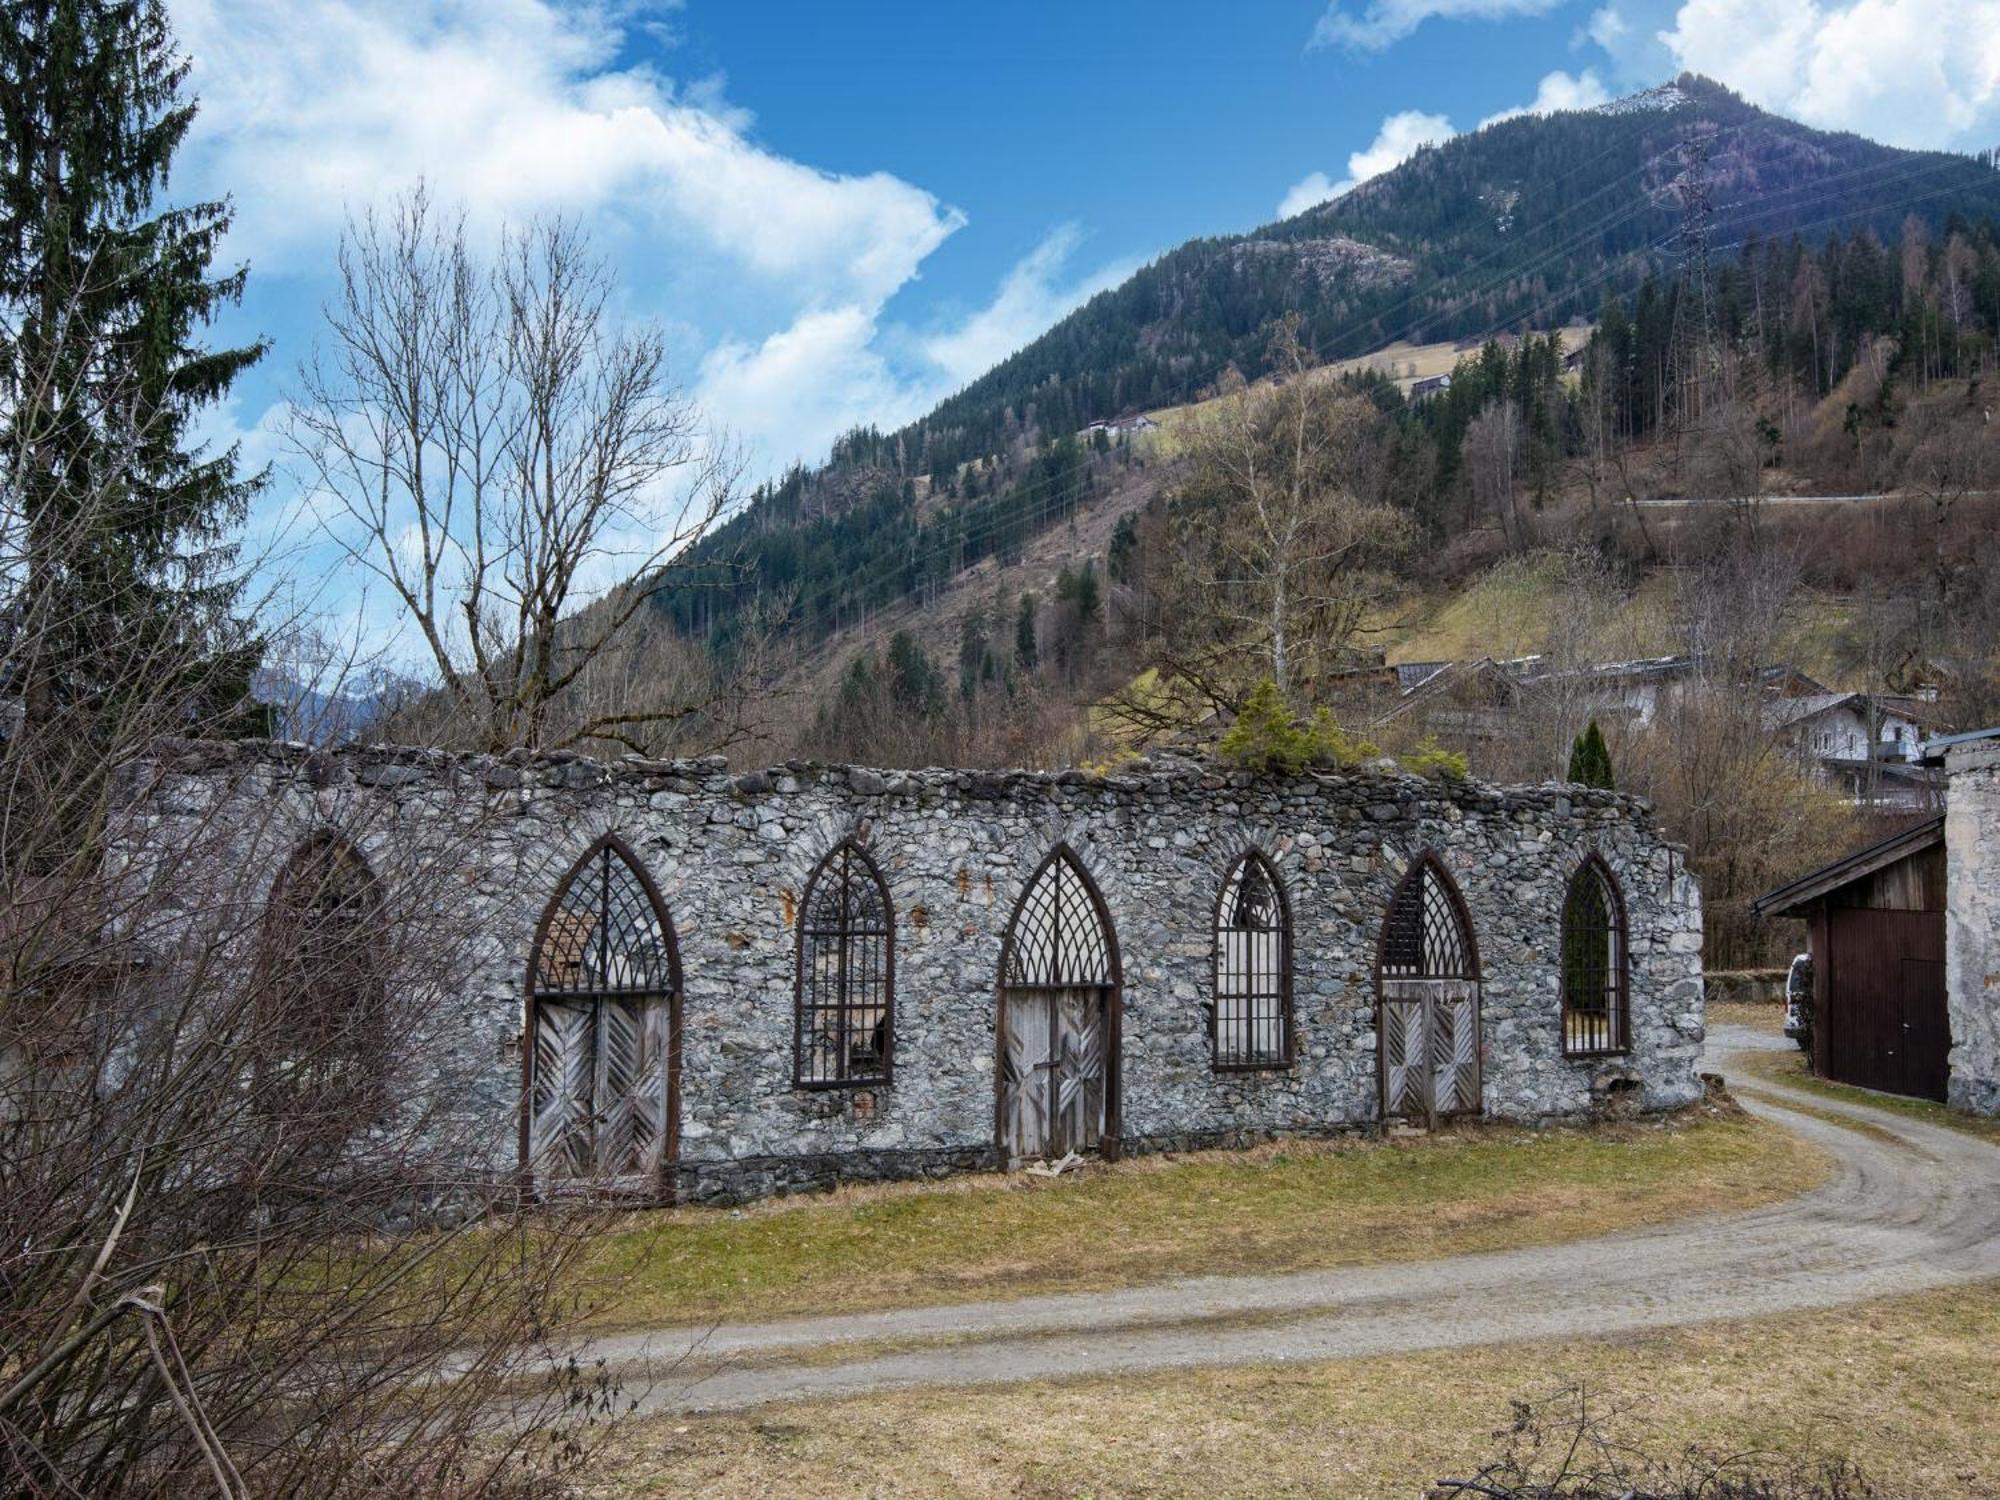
1430, 1047
1058, 1085
1427, 1012
1053, 1091
1887, 1026
599, 1093
604, 989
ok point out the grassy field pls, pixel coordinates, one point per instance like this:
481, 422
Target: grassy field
1789, 1068
1272, 1209
1903, 1386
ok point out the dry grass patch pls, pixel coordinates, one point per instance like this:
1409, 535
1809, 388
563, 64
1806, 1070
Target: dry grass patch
1789, 1069
1278, 1208
1755, 1014
1904, 1386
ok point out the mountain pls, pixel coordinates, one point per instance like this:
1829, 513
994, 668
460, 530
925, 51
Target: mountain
1527, 223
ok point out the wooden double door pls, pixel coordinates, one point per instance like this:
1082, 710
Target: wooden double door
599, 1090
1054, 1067
1886, 1024
1430, 1048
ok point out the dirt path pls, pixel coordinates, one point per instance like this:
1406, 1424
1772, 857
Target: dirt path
1911, 1206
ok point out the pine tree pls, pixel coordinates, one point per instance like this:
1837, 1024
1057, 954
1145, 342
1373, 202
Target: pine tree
128, 523
1026, 655
1590, 759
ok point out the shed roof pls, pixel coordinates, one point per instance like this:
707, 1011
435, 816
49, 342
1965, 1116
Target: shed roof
1790, 900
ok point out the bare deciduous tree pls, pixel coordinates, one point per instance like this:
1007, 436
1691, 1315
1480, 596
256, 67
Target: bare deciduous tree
1278, 553
490, 449
206, 1144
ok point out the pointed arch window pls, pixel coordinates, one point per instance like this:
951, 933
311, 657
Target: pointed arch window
604, 989
1058, 938
1252, 1011
321, 990
845, 1015
1594, 1010
1426, 935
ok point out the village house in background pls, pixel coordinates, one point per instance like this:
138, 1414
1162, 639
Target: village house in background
1866, 746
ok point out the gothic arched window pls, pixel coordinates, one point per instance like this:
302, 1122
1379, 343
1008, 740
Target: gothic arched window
847, 945
321, 989
1252, 1021
1593, 962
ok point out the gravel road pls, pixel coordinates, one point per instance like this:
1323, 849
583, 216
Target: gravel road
1910, 1206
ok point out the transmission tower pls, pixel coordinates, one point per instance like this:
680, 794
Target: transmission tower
1692, 355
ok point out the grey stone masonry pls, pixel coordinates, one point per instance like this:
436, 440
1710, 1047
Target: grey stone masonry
731, 856
1972, 925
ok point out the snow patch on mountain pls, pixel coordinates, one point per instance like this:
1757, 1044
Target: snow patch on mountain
1656, 100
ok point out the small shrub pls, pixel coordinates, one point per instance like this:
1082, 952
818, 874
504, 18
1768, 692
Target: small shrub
1569, 1447
1266, 737
1429, 758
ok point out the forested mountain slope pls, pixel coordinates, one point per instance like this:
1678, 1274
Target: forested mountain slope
1522, 224
1530, 221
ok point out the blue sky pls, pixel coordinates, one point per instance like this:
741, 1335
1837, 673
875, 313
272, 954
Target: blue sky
840, 212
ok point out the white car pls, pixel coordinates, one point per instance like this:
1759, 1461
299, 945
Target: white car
1798, 1001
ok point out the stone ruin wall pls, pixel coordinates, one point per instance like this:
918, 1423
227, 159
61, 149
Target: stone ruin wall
482, 844
1972, 926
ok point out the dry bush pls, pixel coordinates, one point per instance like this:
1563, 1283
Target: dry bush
245, 1219
1568, 1446
251, 1242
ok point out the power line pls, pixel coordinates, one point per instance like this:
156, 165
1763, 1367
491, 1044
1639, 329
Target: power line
1058, 494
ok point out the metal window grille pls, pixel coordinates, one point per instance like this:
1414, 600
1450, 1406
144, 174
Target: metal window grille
1426, 936
1253, 969
1058, 939
846, 973
1593, 963
603, 936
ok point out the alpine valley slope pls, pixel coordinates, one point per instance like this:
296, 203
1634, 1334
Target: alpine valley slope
1528, 223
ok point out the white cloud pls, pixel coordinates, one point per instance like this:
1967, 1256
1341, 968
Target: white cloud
774, 274
1606, 27
1558, 91
1382, 23
1908, 72
513, 107
801, 387
1395, 143
1030, 299
1311, 189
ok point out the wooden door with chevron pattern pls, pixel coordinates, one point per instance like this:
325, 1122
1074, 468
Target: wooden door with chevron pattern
1058, 1018
1052, 1072
604, 992
1428, 1001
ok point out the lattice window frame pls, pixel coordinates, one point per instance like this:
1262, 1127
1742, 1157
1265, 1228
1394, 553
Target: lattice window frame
857, 869
1608, 1032
1435, 895
1278, 991
1071, 890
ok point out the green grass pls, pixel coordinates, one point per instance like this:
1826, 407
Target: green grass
1789, 1069
1153, 1218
